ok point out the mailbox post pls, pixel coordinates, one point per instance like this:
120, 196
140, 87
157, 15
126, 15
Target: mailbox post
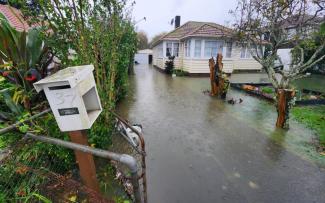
74, 101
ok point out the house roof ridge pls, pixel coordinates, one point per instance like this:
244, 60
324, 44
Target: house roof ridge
155, 42
190, 28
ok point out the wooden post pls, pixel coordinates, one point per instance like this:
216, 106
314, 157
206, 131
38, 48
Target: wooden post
213, 91
220, 67
85, 161
283, 98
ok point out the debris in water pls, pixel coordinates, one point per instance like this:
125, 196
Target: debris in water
252, 185
231, 101
237, 175
206, 92
234, 101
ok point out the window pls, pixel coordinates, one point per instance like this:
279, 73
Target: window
228, 49
172, 49
175, 49
197, 50
244, 52
169, 47
187, 48
212, 48
160, 50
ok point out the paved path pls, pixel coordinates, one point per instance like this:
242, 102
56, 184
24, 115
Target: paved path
201, 149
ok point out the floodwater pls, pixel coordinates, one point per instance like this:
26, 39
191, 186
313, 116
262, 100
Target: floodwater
201, 149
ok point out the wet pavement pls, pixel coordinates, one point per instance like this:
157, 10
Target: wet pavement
201, 149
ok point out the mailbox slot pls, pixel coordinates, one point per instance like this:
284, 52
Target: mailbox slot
92, 106
61, 87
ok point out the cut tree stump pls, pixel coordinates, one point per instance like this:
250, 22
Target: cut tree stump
284, 96
216, 76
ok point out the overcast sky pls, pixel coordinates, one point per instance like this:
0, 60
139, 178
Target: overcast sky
160, 12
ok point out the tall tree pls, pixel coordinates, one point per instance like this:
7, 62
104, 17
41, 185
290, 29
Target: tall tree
265, 23
142, 40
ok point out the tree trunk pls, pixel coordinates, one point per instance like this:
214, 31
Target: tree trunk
213, 91
284, 96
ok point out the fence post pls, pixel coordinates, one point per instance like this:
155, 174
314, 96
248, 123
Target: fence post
85, 160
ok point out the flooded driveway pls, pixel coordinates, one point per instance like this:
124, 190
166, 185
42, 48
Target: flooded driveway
201, 149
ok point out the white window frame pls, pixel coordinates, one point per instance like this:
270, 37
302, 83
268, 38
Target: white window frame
196, 48
187, 49
247, 54
172, 48
219, 48
160, 50
228, 49
244, 52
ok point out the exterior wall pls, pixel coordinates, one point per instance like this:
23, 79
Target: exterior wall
201, 64
160, 61
243, 64
156, 59
142, 58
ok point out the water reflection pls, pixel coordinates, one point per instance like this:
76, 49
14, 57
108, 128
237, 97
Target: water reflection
195, 142
274, 148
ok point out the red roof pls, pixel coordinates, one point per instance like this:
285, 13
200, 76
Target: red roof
15, 17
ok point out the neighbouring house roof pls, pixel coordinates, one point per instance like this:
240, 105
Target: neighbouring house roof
145, 51
15, 17
197, 29
306, 20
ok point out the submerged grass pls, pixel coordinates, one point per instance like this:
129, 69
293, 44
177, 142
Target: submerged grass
314, 118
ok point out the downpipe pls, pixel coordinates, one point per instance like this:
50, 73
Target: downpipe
126, 159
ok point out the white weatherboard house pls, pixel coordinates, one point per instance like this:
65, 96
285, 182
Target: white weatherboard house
194, 43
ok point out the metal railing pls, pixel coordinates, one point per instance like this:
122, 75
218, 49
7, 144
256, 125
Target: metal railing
141, 150
125, 159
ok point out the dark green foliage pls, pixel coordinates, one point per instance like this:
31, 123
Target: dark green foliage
310, 45
169, 65
98, 33
180, 72
23, 61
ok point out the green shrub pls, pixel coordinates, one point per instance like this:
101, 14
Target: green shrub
267, 90
180, 72
169, 65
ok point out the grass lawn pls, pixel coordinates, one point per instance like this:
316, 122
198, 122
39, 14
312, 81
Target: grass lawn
314, 118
